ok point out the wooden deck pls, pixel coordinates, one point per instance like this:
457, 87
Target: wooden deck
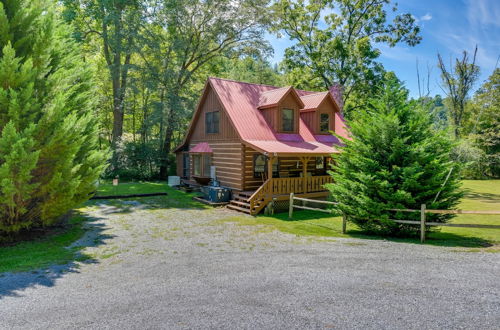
252, 202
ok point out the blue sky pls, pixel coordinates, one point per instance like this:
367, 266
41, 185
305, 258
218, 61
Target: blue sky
447, 27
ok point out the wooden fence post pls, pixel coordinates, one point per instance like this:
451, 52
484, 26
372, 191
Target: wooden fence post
290, 208
422, 223
344, 223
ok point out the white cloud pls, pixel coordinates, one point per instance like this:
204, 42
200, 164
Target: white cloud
482, 12
426, 17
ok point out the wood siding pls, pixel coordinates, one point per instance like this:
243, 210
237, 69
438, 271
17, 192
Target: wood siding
179, 163
227, 159
327, 106
250, 183
226, 130
311, 118
273, 115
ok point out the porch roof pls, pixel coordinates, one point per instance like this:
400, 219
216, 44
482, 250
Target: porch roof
293, 147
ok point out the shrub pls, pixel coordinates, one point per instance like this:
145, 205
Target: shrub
49, 158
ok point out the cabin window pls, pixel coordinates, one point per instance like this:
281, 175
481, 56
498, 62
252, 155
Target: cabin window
324, 123
287, 120
212, 122
207, 163
197, 165
320, 163
202, 164
260, 166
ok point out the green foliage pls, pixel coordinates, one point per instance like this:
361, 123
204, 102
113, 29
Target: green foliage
343, 51
484, 124
458, 83
394, 160
252, 69
49, 160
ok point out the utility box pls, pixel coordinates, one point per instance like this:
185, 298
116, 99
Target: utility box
174, 181
217, 194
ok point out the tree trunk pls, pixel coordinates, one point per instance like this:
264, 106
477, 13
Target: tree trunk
170, 122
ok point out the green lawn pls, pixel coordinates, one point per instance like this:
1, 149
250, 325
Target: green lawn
44, 252
130, 188
480, 195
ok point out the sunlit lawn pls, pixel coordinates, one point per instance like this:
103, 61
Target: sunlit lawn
481, 195
106, 188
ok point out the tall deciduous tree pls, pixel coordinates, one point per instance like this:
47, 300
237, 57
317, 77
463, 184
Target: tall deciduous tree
394, 160
185, 36
49, 157
458, 83
335, 41
484, 125
117, 24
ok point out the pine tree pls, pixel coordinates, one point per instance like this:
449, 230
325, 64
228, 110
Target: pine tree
394, 160
49, 155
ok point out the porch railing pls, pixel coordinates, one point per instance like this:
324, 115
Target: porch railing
281, 186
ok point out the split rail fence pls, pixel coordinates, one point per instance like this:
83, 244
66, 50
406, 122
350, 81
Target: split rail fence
423, 210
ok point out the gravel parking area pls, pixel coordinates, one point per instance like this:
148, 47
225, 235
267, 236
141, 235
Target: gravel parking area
192, 268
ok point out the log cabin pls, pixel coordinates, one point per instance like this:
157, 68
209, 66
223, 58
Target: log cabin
263, 142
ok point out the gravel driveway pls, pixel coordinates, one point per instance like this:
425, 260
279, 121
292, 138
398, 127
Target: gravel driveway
187, 268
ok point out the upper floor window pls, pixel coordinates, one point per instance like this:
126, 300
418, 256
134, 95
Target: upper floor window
324, 123
212, 122
287, 120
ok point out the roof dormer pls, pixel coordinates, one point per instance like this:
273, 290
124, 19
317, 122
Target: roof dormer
319, 112
281, 109
274, 97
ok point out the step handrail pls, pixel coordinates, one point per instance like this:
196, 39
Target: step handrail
259, 194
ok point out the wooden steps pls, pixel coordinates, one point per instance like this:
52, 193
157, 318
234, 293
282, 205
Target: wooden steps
240, 202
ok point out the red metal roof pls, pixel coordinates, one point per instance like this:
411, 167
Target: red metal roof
273, 96
312, 101
241, 101
201, 147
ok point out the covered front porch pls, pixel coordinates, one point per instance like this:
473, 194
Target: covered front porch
281, 174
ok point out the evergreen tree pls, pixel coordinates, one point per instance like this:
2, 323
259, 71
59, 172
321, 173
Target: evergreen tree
49, 155
394, 160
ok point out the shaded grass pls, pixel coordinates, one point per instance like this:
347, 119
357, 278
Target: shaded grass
106, 188
481, 195
174, 199
45, 251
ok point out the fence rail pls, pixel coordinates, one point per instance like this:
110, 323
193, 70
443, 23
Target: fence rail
423, 211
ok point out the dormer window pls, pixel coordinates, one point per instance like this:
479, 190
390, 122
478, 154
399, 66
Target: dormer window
287, 120
324, 123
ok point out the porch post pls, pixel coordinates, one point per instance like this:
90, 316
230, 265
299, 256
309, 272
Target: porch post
305, 160
270, 170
